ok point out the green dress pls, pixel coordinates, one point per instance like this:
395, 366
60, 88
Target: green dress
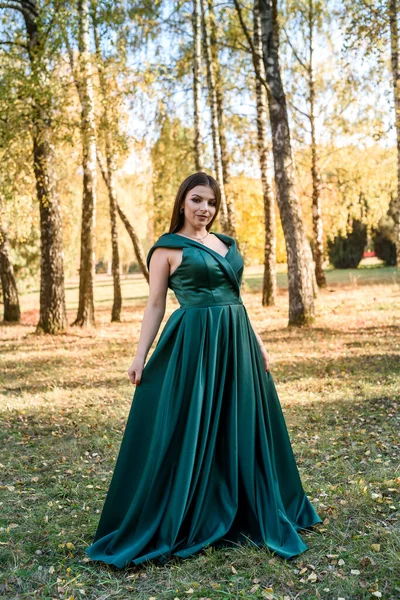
205, 458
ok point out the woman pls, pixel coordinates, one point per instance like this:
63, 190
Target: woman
205, 457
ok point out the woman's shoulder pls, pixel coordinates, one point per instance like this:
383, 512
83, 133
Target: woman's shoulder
166, 240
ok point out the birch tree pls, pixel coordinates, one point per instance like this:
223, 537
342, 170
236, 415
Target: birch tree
213, 103
300, 265
198, 142
269, 280
82, 74
108, 169
308, 19
220, 106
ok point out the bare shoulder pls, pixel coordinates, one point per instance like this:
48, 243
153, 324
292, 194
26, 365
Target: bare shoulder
165, 256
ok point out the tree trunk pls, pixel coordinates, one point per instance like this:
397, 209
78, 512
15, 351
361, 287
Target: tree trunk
12, 312
212, 98
112, 194
394, 39
137, 247
140, 256
318, 231
269, 280
52, 314
198, 143
85, 315
301, 292
221, 118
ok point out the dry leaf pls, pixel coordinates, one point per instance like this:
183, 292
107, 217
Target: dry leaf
376, 547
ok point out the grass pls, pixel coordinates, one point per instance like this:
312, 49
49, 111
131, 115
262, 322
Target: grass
64, 403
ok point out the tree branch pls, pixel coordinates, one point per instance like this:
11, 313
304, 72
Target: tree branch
11, 43
298, 58
251, 46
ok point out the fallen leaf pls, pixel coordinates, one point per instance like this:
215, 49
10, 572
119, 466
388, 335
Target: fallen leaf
376, 547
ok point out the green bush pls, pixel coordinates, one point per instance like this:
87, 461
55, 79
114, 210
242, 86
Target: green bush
347, 252
383, 239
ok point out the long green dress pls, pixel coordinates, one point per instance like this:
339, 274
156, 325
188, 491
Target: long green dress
205, 457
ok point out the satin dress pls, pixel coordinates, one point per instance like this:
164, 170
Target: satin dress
205, 458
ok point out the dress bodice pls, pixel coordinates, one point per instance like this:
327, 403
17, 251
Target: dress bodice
204, 277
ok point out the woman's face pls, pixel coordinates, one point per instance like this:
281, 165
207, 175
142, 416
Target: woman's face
199, 206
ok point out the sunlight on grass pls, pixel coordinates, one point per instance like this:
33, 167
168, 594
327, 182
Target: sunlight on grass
64, 404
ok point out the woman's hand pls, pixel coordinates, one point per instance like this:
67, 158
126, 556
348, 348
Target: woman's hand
135, 370
265, 356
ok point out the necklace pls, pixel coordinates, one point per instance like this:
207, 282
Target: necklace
195, 238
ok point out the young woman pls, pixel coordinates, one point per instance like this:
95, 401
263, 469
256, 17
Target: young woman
205, 457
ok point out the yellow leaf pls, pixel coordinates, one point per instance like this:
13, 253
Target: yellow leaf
376, 547
70, 546
233, 570
312, 577
303, 571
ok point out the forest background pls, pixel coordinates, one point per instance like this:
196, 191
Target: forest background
117, 81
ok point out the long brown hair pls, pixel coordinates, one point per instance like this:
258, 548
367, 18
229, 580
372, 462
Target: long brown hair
201, 178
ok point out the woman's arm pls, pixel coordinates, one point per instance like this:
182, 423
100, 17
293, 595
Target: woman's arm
154, 311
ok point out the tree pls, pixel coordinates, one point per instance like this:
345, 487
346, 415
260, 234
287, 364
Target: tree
222, 134
108, 169
301, 290
198, 144
52, 316
83, 78
269, 279
309, 16
12, 311
213, 102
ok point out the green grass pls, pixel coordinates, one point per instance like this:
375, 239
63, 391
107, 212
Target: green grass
64, 403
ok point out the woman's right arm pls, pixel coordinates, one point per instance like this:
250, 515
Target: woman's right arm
154, 311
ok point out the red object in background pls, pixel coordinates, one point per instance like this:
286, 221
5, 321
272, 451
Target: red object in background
369, 254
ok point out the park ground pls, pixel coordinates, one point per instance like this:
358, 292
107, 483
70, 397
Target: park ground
64, 403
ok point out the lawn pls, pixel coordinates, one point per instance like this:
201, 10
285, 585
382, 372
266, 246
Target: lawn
64, 404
